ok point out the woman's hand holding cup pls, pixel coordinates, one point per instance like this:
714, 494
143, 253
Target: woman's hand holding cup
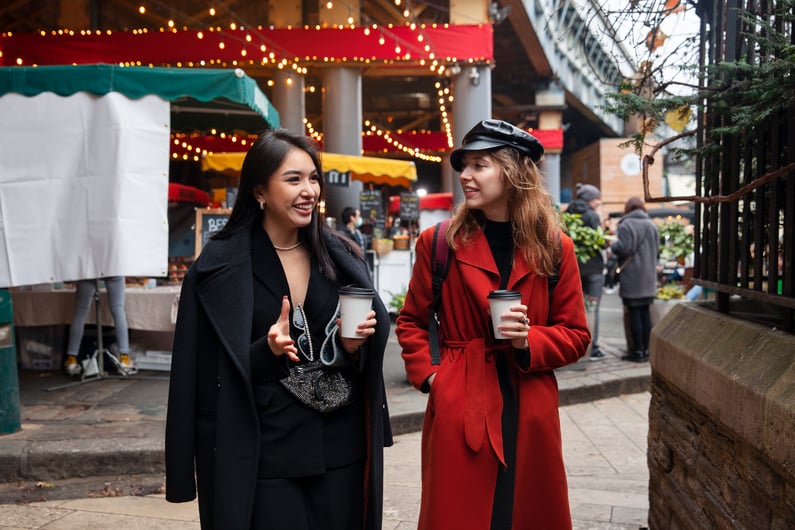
509, 317
363, 330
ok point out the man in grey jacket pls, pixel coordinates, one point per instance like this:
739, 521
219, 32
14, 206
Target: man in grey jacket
589, 198
637, 247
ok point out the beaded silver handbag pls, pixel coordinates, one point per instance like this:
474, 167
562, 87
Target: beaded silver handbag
313, 382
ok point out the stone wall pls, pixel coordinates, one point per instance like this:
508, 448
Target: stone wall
721, 423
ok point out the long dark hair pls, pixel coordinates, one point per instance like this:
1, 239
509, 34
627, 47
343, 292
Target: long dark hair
265, 156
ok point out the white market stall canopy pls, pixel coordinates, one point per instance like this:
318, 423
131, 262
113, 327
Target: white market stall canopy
364, 168
84, 161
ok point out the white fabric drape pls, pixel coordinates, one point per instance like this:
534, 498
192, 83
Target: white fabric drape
83, 187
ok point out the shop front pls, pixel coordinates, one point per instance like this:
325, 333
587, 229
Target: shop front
85, 192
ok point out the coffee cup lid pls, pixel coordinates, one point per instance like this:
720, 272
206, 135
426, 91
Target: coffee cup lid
353, 290
504, 294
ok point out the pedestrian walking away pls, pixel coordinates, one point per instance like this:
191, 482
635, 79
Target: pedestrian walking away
277, 416
637, 247
491, 446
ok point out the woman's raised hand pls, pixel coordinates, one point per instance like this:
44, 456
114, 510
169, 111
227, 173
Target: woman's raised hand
279, 339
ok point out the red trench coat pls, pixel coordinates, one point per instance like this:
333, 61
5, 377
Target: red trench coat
462, 435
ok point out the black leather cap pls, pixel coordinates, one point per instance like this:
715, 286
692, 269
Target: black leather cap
493, 134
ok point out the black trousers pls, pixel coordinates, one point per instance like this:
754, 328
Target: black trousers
331, 501
640, 326
502, 508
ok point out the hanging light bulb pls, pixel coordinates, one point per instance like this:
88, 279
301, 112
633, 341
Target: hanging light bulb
212, 11
142, 9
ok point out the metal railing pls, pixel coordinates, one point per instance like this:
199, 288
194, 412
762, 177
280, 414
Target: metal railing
744, 237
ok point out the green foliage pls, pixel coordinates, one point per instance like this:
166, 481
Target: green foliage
748, 92
397, 301
589, 241
675, 241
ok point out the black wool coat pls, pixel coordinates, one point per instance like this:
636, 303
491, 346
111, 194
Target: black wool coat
212, 427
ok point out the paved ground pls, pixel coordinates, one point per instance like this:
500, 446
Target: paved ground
90, 455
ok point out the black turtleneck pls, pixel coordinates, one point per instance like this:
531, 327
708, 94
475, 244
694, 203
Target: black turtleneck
500, 238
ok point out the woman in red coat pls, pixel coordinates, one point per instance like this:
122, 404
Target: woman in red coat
491, 446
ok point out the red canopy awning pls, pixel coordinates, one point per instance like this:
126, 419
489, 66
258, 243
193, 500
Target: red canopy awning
183, 193
255, 45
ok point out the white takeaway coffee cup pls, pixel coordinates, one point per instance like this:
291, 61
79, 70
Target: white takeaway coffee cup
500, 302
355, 305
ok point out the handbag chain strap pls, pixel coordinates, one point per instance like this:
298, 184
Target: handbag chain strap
311, 357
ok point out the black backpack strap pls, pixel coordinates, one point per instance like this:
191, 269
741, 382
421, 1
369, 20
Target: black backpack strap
440, 264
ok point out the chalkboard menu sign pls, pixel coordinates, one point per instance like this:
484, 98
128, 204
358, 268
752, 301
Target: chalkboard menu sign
372, 209
409, 206
209, 221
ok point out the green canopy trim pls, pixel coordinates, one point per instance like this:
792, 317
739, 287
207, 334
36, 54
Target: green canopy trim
226, 95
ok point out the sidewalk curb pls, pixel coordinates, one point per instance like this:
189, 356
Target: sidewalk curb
63, 459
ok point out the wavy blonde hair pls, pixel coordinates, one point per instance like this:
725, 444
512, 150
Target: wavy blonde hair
533, 216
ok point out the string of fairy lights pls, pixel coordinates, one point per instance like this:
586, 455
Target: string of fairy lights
445, 97
419, 49
192, 152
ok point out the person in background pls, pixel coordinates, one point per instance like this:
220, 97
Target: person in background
592, 274
351, 221
259, 314
611, 265
637, 246
491, 446
84, 294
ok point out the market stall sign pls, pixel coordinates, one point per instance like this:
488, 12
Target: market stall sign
208, 222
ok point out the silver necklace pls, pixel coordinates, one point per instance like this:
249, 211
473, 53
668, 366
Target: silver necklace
285, 249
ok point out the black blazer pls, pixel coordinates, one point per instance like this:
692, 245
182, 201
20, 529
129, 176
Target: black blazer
212, 429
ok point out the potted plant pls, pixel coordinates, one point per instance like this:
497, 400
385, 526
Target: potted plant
668, 295
380, 244
588, 241
676, 241
396, 302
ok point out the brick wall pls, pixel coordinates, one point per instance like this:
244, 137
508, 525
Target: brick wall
600, 164
706, 476
721, 423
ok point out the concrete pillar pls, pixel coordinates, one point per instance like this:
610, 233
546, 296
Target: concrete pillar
550, 169
288, 98
342, 128
471, 104
552, 118
449, 177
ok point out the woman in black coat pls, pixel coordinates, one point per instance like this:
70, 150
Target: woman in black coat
260, 301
